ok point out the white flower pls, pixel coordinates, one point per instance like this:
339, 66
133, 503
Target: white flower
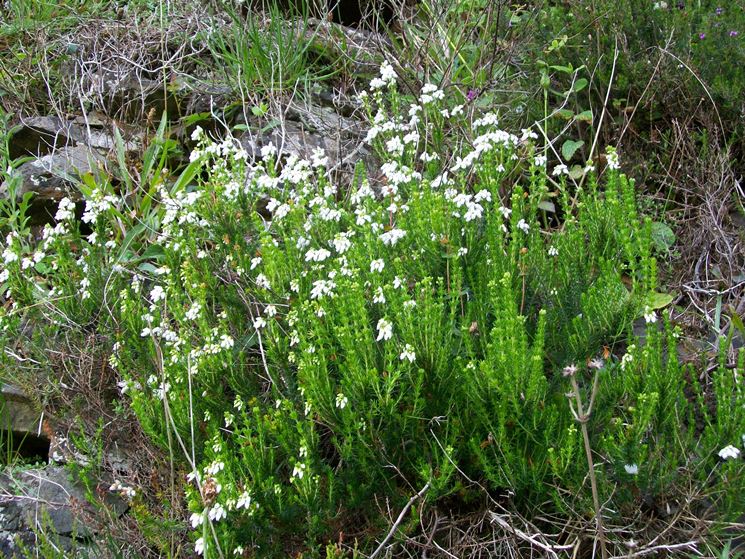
560, 169
199, 546
318, 158
197, 519
430, 92
482, 195
387, 73
259, 323
628, 357
385, 330
612, 158
197, 133
157, 294
379, 297
377, 265
262, 281
298, 471
244, 501
408, 354
341, 401
540, 160
268, 151
395, 146
193, 312
341, 243
214, 468
506, 212
270, 311
729, 452
391, 237
66, 210
631, 469
322, 288
317, 255
255, 262
217, 512
553, 251
523, 226
387, 76
649, 315
475, 211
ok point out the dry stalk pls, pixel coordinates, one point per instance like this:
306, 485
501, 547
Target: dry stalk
582, 417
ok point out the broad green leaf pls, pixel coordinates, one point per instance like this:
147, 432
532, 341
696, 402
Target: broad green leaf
579, 85
570, 147
576, 172
148, 267
663, 237
584, 116
660, 300
565, 69
547, 206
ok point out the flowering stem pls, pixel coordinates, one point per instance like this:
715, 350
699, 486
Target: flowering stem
582, 418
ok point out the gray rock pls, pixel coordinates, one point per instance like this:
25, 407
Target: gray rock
126, 96
52, 176
42, 135
18, 413
310, 127
30, 495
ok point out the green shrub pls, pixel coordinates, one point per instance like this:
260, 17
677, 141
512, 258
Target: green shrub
308, 350
695, 42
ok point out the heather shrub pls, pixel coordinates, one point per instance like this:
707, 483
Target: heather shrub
308, 349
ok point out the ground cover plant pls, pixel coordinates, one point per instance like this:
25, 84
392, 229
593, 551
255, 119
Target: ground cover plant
435, 332
466, 348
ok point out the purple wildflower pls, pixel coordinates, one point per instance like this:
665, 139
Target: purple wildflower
702, 36
719, 11
733, 33
472, 94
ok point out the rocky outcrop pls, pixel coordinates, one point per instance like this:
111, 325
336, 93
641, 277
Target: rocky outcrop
49, 499
45, 496
42, 135
53, 176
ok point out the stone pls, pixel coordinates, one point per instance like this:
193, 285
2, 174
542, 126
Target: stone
42, 135
49, 492
18, 413
310, 127
126, 96
52, 176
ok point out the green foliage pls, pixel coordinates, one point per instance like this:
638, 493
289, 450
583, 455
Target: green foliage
690, 40
306, 349
266, 54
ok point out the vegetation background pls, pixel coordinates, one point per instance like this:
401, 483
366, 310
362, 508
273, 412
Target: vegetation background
498, 314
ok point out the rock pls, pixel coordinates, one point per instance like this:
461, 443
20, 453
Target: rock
49, 492
42, 135
126, 96
310, 127
23, 426
18, 413
52, 176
